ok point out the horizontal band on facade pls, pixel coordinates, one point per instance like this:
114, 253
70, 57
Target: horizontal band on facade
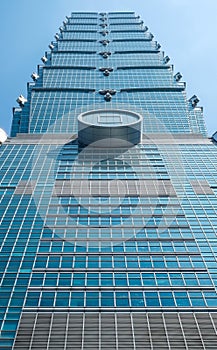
64, 195
155, 89
109, 24
69, 67
161, 309
143, 67
125, 288
101, 215
63, 89
117, 239
118, 68
99, 253
123, 205
136, 51
140, 227
78, 40
84, 52
111, 41
139, 30
114, 269
7, 187
130, 40
79, 31
147, 138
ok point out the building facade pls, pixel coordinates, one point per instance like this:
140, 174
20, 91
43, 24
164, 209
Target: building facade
108, 199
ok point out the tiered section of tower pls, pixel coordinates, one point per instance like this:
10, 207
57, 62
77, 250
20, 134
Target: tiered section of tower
106, 60
107, 247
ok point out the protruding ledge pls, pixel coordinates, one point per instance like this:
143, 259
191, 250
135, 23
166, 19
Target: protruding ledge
214, 137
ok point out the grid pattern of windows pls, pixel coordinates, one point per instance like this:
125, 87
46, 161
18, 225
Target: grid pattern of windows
78, 45
132, 59
121, 78
57, 246
79, 35
73, 45
88, 20
111, 245
120, 279
131, 26
82, 26
121, 20
50, 107
92, 25
133, 262
84, 15
120, 299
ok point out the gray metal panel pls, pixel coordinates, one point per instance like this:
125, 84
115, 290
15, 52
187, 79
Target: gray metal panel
117, 330
25, 187
114, 188
201, 187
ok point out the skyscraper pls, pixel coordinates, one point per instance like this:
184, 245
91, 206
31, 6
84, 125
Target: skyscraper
108, 199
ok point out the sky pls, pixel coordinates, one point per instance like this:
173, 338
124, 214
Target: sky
186, 30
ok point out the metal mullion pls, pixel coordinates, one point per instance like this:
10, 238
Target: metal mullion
33, 331
149, 330
66, 331
116, 327
199, 331
132, 328
50, 330
166, 332
83, 331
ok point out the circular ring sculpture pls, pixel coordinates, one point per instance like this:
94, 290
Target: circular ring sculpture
109, 128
